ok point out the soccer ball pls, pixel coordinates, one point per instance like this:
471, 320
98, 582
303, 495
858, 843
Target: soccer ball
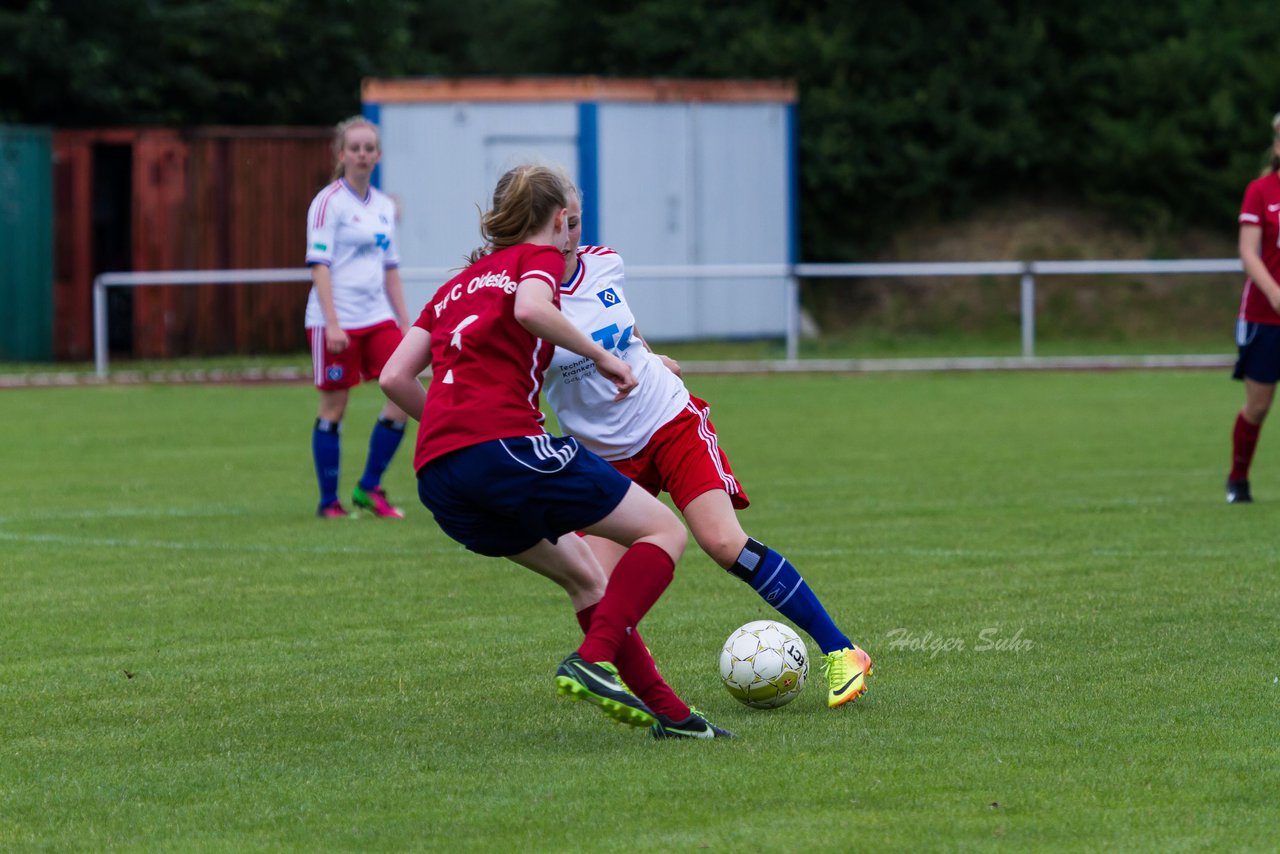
764, 664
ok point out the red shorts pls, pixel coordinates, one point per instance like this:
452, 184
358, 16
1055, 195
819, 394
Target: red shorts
368, 349
684, 460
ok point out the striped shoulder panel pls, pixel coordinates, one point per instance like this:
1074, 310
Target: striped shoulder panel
322, 207
579, 274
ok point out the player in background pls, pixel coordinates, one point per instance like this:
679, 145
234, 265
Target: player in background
1258, 324
498, 483
354, 314
661, 437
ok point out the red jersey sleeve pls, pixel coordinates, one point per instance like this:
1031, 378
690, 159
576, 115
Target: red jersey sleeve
1253, 208
1261, 209
427, 317
545, 264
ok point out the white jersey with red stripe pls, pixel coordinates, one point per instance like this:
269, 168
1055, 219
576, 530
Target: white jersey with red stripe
594, 301
354, 237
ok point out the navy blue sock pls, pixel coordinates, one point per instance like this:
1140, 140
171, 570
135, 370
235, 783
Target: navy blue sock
773, 577
383, 442
326, 449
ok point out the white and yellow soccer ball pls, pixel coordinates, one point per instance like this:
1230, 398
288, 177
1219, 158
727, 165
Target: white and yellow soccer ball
764, 664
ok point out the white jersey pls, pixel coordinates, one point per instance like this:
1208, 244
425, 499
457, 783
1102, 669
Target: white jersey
355, 238
593, 300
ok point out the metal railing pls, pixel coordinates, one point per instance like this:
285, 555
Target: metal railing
1026, 271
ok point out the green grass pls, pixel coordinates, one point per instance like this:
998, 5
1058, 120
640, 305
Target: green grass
191, 661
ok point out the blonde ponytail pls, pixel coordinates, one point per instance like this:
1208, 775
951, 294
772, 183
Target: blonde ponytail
524, 200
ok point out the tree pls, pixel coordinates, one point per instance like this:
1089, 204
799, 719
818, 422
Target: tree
907, 110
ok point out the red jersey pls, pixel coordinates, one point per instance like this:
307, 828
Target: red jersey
1262, 207
486, 369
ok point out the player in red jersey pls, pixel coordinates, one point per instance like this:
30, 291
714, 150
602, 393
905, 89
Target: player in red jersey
498, 483
1258, 325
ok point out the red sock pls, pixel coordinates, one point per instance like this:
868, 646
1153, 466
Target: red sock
636, 667
637, 582
1244, 440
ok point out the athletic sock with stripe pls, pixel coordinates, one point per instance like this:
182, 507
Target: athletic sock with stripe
326, 450
776, 581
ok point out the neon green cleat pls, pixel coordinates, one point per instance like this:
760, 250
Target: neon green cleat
846, 671
579, 679
375, 501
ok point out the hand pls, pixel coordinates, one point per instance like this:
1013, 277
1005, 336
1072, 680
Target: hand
335, 339
671, 364
617, 372
1275, 301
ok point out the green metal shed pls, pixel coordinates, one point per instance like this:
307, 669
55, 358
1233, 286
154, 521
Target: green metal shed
26, 244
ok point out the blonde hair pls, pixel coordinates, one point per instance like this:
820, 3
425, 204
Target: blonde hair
524, 200
340, 140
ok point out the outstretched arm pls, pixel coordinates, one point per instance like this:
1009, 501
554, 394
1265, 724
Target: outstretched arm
399, 379
536, 312
669, 363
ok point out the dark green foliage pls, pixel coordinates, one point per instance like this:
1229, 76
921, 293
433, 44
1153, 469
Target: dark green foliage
909, 112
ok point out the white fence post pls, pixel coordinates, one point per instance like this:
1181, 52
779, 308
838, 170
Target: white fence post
99, 327
1028, 312
793, 317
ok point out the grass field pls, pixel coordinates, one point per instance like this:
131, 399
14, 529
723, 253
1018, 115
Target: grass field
1075, 638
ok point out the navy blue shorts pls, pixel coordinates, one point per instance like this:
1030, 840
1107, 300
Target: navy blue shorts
502, 497
1259, 348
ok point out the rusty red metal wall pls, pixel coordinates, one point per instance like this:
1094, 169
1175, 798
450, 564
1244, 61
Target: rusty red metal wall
72, 255
253, 194
160, 197
204, 199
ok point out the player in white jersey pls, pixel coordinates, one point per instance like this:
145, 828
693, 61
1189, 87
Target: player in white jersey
592, 297
355, 314
662, 438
